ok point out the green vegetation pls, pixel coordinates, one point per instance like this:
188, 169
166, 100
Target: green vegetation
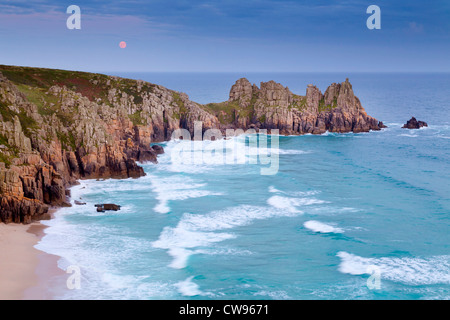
227, 112
10, 153
47, 104
34, 83
325, 108
5, 159
129, 86
131, 90
179, 102
42, 78
136, 118
28, 124
6, 112
224, 111
299, 102
3, 140
67, 140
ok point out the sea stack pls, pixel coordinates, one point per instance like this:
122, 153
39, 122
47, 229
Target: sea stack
414, 124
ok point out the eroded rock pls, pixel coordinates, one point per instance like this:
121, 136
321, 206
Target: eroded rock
414, 124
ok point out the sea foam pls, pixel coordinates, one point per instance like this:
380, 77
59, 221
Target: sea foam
411, 271
321, 227
176, 188
188, 288
197, 230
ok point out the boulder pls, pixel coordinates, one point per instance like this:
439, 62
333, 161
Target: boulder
107, 207
147, 156
382, 125
158, 149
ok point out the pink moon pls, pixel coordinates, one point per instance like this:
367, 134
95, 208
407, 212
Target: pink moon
123, 44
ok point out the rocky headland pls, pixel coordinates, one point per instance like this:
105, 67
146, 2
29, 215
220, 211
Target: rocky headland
57, 127
273, 106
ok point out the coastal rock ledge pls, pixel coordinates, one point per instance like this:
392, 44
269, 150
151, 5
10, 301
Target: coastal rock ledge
57, 127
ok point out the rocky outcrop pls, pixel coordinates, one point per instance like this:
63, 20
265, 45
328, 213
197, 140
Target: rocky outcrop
414, 124
275, 106
107, 207
57, 127
158, 149
60, 126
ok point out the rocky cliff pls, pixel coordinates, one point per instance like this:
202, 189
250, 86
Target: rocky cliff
60, 126
275, 106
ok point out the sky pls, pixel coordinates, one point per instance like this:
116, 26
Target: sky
227, 36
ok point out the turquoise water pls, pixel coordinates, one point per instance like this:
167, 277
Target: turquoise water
338, 204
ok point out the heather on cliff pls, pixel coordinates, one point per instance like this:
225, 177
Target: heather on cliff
59, 126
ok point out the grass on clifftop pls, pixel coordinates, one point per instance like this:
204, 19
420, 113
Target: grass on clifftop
224, 111
46, 78
94, 86
34, 83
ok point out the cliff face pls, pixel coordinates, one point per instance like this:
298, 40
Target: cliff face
274, 106
60, 126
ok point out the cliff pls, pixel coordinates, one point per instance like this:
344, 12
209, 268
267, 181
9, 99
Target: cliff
274, 106
60, 126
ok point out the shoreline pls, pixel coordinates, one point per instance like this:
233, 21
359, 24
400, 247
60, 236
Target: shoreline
27, 273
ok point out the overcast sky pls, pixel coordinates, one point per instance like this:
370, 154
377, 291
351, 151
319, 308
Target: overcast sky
227, 35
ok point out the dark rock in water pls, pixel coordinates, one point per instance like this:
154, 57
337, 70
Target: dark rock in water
158, 149
111, 207
414, 124
147, 156
65, 204
107, 207
382, 125
79, 203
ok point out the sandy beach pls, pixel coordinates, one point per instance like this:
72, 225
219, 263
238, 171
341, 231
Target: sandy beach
25, 272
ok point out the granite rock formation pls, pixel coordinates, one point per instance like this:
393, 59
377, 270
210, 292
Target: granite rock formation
57, 127
414, 124
273, 106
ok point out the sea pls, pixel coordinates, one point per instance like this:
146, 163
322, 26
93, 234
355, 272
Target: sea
345, 216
